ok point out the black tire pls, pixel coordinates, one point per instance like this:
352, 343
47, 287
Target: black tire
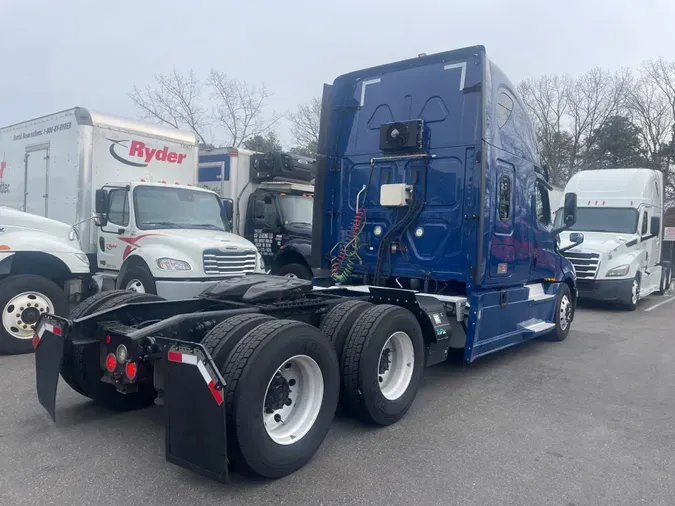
86, 369
248, 372
339, 321
221, 339
91, 304
15, 285
295, 270
361, 360
85, 308
630, 304
564, 313
140, 274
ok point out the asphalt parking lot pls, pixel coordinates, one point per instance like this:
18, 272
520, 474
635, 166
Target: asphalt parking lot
589, 421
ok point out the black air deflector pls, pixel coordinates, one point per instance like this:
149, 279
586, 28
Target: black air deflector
277, 165
402, 136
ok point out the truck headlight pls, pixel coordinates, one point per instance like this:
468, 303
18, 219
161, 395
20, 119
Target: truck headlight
171, 264
621, 270
82, 258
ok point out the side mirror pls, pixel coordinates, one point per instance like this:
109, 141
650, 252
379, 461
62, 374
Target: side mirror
570, 209
227, 210
655, 226
101, 202
259, 210
577, 238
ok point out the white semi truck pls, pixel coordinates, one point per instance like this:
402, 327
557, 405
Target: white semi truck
620, 214
272, 196
129, 191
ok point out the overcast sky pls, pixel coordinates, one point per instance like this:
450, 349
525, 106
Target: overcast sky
56, 54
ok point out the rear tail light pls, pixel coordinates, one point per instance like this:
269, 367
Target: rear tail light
110, 362
131, 370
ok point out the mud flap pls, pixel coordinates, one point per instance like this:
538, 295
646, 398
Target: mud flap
50, 343
196, 436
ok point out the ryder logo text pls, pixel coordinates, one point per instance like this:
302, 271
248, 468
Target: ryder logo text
139, 155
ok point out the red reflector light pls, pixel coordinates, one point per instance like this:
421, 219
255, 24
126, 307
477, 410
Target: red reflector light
36, 341
131, 369
110, 362
108, 339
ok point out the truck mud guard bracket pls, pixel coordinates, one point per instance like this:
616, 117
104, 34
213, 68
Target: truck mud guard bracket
196, 433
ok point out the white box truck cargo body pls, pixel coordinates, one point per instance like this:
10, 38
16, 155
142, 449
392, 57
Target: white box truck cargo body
155, 230
620, 214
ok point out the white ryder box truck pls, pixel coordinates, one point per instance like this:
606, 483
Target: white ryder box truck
620, 214
154, 230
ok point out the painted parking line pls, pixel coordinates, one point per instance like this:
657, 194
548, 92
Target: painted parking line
669, 299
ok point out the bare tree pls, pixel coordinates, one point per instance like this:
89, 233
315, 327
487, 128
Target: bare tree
175, 101
546, 100
240, 107
305, 125
594, 97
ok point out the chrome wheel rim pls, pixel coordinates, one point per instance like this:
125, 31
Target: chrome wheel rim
395, 366
21, 313
293, 400
635, 292
565, 312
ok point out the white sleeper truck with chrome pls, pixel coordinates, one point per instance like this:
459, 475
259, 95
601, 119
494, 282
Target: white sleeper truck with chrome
41, 267
129, 191
620, 214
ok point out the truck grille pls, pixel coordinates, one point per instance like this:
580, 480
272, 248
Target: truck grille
229, 262
585, 264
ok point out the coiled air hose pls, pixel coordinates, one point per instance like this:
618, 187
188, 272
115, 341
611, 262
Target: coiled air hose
342, 265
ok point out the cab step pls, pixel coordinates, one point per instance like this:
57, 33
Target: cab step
536, 327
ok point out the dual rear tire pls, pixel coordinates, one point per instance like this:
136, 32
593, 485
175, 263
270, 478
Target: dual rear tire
382, 355
283, 379
282, 384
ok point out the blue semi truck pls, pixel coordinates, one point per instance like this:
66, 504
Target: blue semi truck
431, 232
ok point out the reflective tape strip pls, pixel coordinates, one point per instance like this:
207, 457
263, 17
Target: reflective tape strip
49, 327
174, 356
217, 394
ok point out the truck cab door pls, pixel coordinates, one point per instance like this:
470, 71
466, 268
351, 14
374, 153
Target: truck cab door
110, 250
649, 253
263, 226
544, 259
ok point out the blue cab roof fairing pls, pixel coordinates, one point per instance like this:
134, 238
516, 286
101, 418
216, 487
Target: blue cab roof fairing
449, 91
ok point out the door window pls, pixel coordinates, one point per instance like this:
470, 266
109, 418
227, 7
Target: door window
543, 206
271, 216
118, 208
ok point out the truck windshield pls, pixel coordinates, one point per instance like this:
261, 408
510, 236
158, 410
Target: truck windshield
296, 209
157, 207
602, 219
